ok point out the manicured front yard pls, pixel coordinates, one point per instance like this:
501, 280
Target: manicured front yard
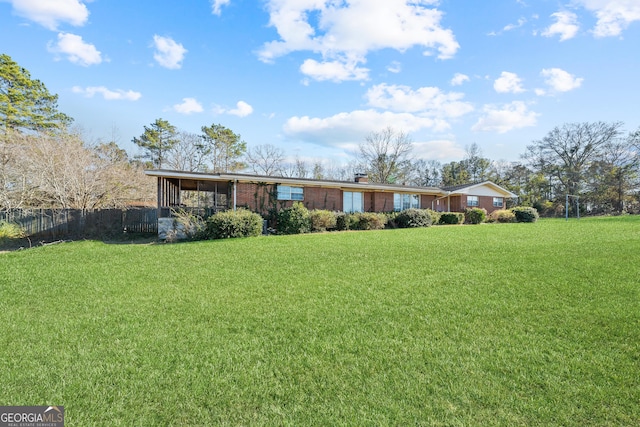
494, 324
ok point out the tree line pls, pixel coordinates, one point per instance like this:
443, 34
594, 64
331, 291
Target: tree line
45, 163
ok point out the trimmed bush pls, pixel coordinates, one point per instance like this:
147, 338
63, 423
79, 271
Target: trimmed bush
343, 221
502, 216
294, 220
410, 218
525, 214
322, 220
475, 215
451, 218
238, 223
368, 221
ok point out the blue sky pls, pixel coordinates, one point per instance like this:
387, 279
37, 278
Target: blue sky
314, 77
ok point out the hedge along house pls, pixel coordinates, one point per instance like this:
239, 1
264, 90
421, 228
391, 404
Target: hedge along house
266, 195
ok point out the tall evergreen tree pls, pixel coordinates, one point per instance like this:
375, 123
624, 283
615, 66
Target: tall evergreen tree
157, 139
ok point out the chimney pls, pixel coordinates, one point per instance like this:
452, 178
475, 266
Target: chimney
362, 178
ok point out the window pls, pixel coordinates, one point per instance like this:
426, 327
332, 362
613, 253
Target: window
497, 202
286, 192
405, 201
352, 201
472, 200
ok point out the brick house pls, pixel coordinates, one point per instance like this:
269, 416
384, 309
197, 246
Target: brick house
266, 194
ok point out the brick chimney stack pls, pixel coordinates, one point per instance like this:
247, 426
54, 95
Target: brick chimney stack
362, 178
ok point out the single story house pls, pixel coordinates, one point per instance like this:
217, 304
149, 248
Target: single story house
264, 194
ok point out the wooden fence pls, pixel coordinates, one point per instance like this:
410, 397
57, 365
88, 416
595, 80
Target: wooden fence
56, 224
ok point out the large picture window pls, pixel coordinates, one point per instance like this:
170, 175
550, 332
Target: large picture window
352, 201
498, 202
286, 192
472, 201
405, 201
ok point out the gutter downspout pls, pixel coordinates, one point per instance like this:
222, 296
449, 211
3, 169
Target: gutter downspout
235, 182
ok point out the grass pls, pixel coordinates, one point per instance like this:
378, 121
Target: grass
495, 324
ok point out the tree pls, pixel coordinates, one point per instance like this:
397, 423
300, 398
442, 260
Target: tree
567, 152
426, 173
188, 154
455, 173
157, 140
478, 167
26, 104
223, 148
265, 159
386, 156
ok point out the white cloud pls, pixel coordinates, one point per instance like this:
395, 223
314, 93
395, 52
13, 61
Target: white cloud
566, 26
343, 129
510, 27
188, 106
395, 67
346, 32
242, 109
458, 79
426, 101
614, 16
560, 80
505, 118
508, 83
216, 6
76, 50
169, 53
441, 149
333, 70
108, 94
50, 14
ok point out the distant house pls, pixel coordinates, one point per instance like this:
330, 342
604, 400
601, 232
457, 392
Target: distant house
265, 194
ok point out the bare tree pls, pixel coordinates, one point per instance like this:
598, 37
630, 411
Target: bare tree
567, 152
426, 173
265, 159
188, 154
386, 155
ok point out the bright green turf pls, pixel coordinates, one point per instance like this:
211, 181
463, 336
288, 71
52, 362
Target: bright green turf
495, 324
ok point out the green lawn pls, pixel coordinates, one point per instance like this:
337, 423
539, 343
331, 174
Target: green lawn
495, 324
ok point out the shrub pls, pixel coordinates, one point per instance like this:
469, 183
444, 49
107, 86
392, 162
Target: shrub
367, 221
10, 231
451, 218
238, 223
322, 220
193, 226
294, 220
525, 214
475, 215
409, 218
502, 216
435, 216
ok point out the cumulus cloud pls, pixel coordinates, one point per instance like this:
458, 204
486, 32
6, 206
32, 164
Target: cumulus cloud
168, 53
333, 70
216, 6
566, 26
559, 80
426, 101
614, 16
76, 50
458, 79
505, 118
242, 109
347, 31
508, 83
108, 94
50, 13
188, 106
